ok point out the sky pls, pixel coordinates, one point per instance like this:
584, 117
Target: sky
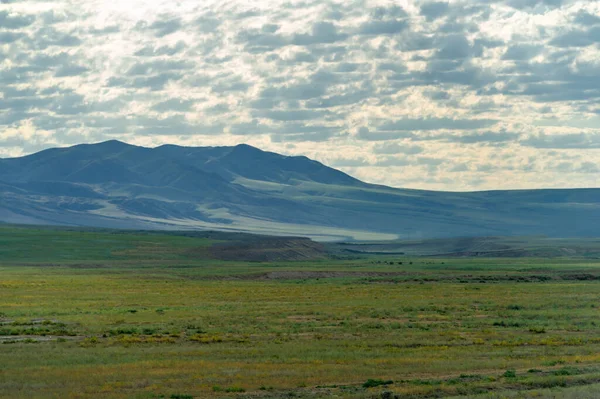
447, 95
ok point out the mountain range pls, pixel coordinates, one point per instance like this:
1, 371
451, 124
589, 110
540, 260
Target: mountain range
242, 188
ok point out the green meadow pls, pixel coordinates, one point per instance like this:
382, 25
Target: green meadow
137, 315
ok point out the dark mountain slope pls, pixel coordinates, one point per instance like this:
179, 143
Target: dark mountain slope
252, 163
242, 188
57, 163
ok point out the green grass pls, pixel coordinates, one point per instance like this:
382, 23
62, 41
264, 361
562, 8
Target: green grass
112, 315
62, 245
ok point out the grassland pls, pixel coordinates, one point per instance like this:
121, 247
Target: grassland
101, 314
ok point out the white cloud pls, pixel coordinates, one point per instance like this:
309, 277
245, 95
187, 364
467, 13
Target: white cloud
452, 94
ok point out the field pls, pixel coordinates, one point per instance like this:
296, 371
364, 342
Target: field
116, 315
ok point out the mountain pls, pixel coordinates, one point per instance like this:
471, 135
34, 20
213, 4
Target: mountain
242, 188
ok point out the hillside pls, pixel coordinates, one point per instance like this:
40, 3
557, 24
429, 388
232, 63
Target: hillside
244, 189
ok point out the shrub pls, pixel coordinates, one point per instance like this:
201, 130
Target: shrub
124, 331
537, 330
180, 396
554, 362
509, 374
86, 343
473, 377
376, 383
206, 339
566, 371
503, 323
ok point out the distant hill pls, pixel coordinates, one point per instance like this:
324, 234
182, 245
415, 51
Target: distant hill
242, 188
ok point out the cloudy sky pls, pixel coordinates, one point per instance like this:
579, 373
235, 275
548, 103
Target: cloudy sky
450, 95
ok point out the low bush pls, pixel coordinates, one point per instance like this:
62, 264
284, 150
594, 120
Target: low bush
509, 374
537, 330
376, 383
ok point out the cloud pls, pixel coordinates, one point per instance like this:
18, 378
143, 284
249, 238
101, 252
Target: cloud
166, 26
577, 38
174, 104
435, 10
389, 161
395, 148
155, 82
252, 127
564, 141
292, 114
208, 22
383, 27
524, 4
365, 133
411, 124
175, 125
299, 91
439, 95
521, 52
459, 167
477, 138
454, 47
268, 39
352, 97
589, 167
70, 70
70, 104
415, 41
259, 41
50, 37
150, 67
106, 30
431, 85
300, 57
300, 132
322, 32
302, 137
166, 50
585, 18
10, 37
15, 21
348, 162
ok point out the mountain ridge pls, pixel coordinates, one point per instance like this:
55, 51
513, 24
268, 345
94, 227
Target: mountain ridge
243, 188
